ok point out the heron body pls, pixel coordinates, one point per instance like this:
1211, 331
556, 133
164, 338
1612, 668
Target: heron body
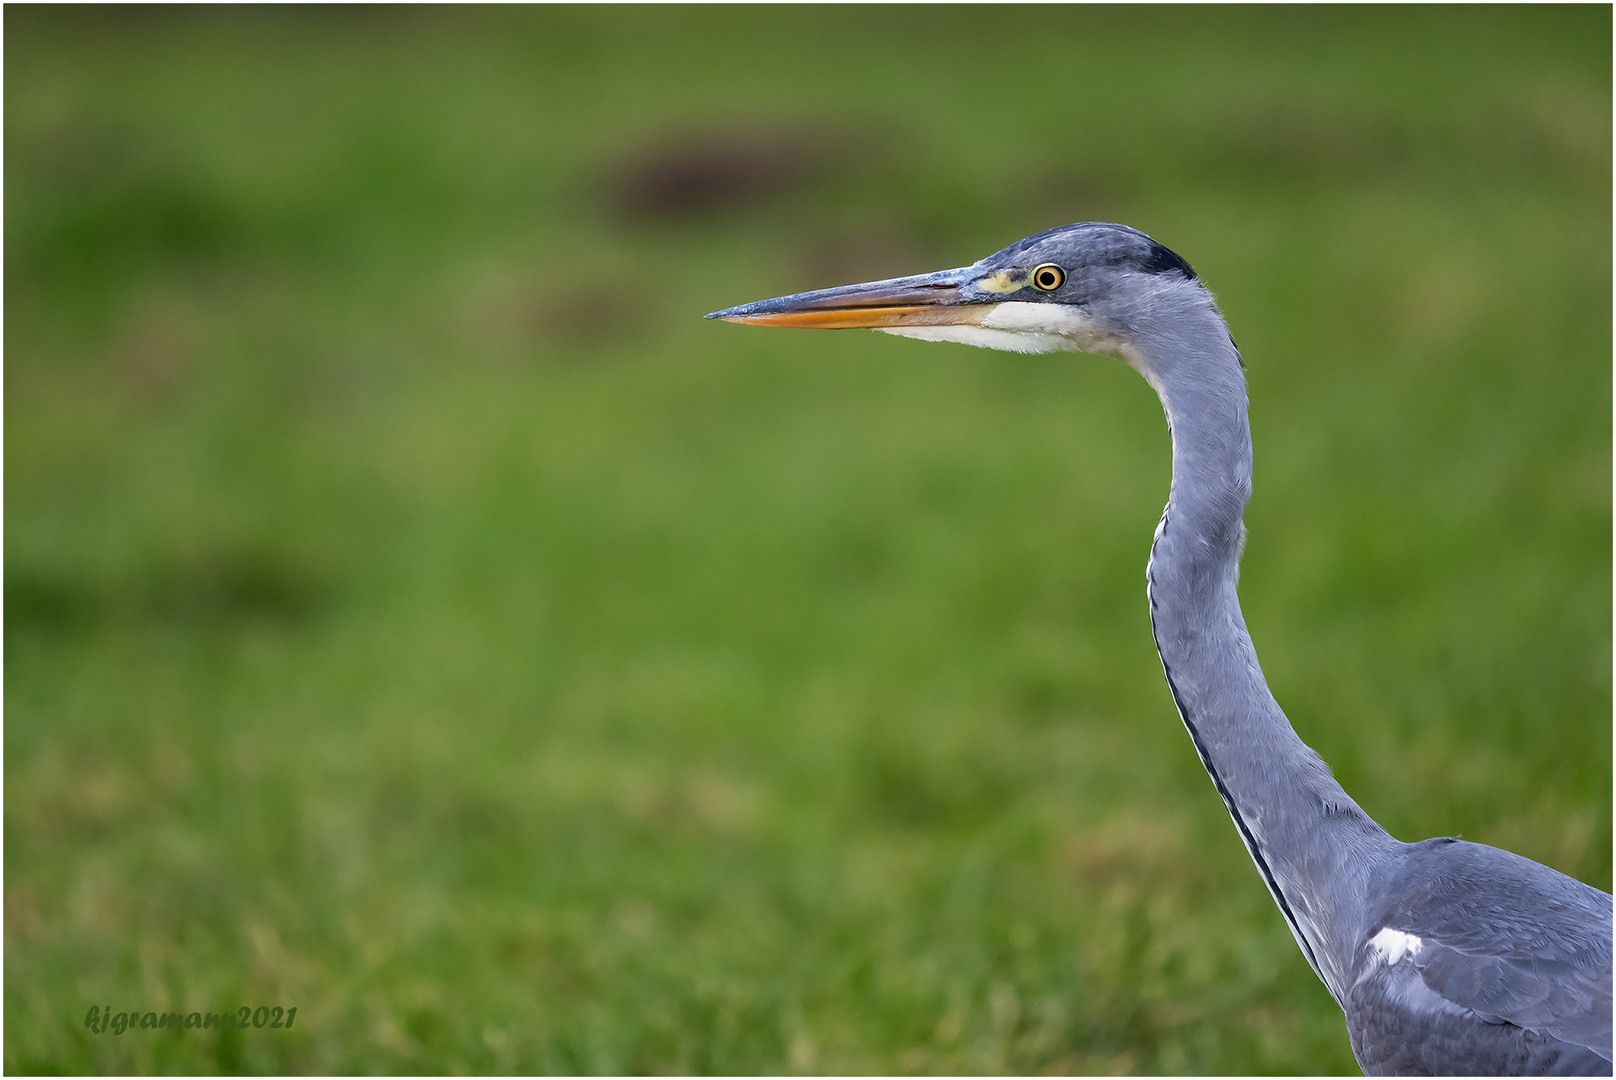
1446, 957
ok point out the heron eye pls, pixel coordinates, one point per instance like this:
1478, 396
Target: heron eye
1048, 277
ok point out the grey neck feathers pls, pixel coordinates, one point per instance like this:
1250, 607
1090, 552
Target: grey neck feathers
1312, 844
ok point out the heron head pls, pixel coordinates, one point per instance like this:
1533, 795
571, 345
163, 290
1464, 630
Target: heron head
1090, 287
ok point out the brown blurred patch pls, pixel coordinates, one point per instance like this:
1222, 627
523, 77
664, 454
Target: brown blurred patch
589, 313
235, 584
60, 797
870, 253
703, 800
699, 174
1128, 852
513, 308
157, 348
24, 916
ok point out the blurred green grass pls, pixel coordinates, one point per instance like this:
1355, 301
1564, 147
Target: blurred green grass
417, 614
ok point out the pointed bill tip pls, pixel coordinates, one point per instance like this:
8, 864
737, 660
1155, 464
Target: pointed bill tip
747, 312
924, 299
739, 312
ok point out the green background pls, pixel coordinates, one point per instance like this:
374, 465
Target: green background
417, 614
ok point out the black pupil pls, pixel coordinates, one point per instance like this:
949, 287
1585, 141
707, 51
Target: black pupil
1046, 279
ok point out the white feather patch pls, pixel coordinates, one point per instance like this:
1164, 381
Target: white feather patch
1392, 945
1067, 324
1021, 326
965, 334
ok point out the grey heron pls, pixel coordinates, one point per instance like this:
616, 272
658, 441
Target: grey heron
1446, 957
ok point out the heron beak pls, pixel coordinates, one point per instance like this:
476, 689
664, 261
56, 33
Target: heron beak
946, 298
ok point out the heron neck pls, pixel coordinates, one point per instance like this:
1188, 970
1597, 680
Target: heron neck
1312, 844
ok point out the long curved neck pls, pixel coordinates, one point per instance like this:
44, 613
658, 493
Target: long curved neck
1310, 841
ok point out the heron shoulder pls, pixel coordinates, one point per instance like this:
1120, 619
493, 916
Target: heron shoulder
1474, 932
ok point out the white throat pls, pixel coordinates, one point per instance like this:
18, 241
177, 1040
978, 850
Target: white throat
1020, 326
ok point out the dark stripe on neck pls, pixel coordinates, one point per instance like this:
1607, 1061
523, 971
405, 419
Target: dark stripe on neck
1217, 781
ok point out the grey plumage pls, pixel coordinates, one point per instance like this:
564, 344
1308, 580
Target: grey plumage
1514, 976
1446, 957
